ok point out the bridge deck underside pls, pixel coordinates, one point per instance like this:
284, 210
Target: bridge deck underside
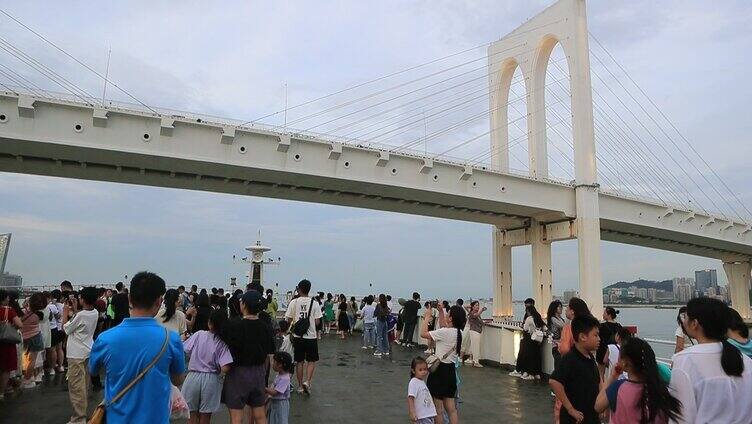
200, 156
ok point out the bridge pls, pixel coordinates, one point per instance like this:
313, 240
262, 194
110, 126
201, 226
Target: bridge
75, 135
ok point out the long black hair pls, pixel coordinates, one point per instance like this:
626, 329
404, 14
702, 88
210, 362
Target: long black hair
713, 316
579, 307
553, 307
170, 298
459, 319
219, 320
382, 301
532, 312
655, 395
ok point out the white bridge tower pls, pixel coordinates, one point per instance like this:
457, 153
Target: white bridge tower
529, 48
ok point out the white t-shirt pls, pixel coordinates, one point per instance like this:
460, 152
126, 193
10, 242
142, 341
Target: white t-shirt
368, 311
424, 407
298, 308
60, 314
176, 323
45, 327
80, 330
54, 314
613, 358
707, 394
446, 341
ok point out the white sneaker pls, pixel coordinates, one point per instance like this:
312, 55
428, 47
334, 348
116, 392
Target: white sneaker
429, 351
377, 354
28, 384
477, 365
515, 374
307, 387
525, 375
364, 347
467, 361
39, 378
60, 369
528, 377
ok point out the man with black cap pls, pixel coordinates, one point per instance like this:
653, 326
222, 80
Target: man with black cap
251, 342
305, 347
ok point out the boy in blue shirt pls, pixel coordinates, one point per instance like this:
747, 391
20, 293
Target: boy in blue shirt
124, 351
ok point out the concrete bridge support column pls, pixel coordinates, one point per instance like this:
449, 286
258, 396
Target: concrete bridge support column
502, 276
589, 247
738, 274
586, 176
542, 278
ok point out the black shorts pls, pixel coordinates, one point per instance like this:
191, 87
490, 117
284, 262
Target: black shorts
442, 383
57, 336
244, 385
305, 349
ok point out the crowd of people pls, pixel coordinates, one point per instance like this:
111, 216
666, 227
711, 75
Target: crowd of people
604, 373
200, 351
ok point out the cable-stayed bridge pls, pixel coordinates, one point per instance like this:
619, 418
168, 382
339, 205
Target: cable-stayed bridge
542, 134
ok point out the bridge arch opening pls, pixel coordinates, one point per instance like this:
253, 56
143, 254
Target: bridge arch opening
518, 129
554, 124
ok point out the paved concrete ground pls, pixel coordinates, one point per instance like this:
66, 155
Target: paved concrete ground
350, 385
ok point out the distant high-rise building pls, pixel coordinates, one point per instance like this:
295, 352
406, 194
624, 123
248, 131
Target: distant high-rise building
568, 294
642, 293
706, 278
683, 293
4, 248
10, 280
677, 281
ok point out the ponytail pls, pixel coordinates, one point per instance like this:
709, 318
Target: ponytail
731, 360
655, 397
459, 319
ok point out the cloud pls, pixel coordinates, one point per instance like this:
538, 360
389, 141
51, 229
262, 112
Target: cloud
231, 59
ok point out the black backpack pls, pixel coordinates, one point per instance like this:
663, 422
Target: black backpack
300, 328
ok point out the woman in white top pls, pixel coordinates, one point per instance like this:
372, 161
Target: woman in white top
683, 340
170, 317
614, 351
712, 379
442, 383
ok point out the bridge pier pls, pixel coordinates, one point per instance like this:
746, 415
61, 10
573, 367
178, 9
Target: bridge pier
542, 278
589, 247
502, 276
738, 274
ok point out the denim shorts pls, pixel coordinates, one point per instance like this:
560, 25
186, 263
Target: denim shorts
34, 343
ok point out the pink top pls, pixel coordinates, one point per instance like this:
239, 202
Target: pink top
30, 326
624, 400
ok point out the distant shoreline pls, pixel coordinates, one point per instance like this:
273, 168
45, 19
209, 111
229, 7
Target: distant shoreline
643, 305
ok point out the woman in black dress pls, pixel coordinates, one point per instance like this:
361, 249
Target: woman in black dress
343, 322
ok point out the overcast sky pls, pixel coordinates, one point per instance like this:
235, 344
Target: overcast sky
232, 59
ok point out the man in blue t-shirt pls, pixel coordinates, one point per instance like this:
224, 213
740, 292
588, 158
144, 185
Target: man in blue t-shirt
124, 351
